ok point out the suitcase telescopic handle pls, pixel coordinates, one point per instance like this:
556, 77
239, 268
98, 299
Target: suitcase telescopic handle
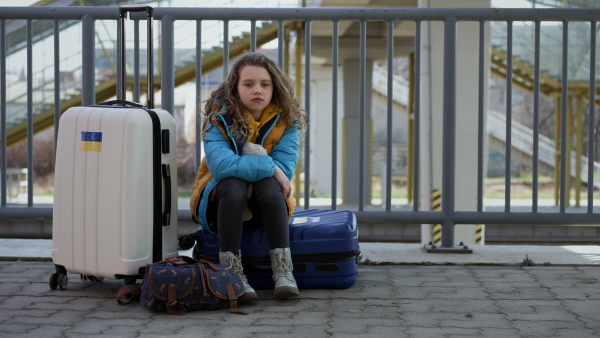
123, 103
166, 174
123, 10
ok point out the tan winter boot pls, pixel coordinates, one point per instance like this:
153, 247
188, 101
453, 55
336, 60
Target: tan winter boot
233, 264
285, 283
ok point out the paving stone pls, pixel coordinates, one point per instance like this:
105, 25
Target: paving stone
11, 288
162, 324
476, 320
577, 293
386, 301
458, 305
489, 332
442, 332
530, 292
255, 331
586, 312
503, 287
47, 331
101, 326
360, 325
12, 329
543, 328
526, 306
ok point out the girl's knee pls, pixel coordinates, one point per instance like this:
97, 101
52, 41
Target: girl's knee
267, 188
233, 188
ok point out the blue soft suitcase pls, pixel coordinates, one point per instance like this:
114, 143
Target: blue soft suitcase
324, 245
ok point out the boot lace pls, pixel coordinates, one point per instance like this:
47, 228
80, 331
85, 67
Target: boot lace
283, 267
234, 265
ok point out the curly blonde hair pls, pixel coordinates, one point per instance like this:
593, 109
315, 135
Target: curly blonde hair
225, 98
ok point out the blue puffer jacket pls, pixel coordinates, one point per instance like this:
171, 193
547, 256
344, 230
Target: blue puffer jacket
223, 159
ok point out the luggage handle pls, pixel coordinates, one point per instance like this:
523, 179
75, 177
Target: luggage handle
166, 174
123, 103
121, 59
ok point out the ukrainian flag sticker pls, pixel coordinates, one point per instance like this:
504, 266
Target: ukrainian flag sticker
91, 141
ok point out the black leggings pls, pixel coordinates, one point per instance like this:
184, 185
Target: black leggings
268, 206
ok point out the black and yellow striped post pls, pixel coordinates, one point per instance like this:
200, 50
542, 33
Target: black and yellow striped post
436, 205
479, 234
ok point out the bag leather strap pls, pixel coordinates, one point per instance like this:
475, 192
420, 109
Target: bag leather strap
172, 301
129, 293
233, 300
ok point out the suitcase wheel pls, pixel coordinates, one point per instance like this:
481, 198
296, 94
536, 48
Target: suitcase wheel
58, 280
186, 242
63, 281
53, 281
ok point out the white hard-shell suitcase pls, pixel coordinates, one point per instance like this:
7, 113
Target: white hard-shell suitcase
115, 189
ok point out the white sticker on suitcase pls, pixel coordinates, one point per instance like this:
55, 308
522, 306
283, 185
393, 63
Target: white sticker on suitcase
300, 220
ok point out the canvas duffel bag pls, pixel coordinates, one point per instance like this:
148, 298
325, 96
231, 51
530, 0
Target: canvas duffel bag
181, 284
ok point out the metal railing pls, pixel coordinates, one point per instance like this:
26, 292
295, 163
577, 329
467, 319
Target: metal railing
448, 216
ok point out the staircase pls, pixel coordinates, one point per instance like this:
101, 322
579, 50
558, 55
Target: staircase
42, 95
522, 144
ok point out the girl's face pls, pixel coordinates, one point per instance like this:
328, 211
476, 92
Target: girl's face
255, 89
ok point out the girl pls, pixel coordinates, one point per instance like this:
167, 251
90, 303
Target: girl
256, 104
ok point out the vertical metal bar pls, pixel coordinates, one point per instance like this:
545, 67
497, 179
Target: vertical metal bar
411, 128
3, 112
253, 35
334, 111
578, 149
120, 76
167, 78
198, 91
167, 83
225, 48
536, 119
481, 131
298, 92
56, 82
29, 114
390, 96
591, 118
280, 41
88, 68
565, 154
307, 52
557, 106
449, 130
508, 137
568, 148
136, 60
361, 115
417, 118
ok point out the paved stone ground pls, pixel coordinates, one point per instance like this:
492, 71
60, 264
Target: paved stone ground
386, 301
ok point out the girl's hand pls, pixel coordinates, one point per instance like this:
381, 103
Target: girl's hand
283, 181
